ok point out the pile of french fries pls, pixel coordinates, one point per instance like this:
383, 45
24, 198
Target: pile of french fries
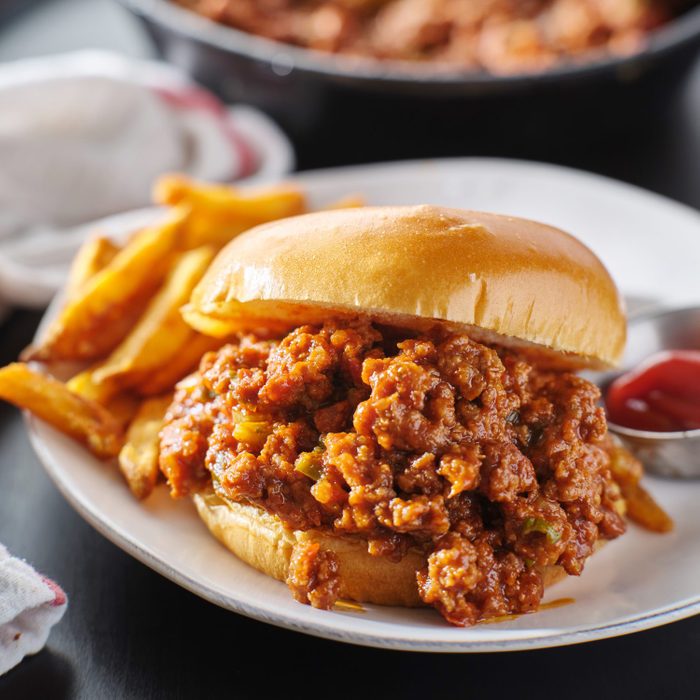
121, 323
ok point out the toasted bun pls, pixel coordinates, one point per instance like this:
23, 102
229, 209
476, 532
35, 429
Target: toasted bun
501, 279
260, 540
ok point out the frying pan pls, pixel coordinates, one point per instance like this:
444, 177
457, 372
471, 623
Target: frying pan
365, 109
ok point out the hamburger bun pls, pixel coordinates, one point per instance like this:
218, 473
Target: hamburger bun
500, 279
260, 540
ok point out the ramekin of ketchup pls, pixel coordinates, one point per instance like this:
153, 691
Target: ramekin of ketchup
660, 395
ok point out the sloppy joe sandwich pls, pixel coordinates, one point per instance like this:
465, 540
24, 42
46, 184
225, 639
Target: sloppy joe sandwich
398, 419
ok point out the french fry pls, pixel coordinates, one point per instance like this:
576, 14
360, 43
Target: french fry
644, 510
98, 318
161, 333
94, 255
52, 401
123, 407
258, 205
138, 459
186, 361
351, 201
627, 471
218, 213
84, 385
625, 467
204, 229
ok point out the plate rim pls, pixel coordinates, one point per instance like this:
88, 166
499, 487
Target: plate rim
132, 547
491, 161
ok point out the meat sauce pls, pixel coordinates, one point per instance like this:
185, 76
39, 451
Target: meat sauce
499, 36
490, 467
661, 395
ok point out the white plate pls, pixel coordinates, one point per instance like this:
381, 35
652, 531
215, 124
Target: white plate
652, 247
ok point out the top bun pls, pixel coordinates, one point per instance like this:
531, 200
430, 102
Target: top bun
500, 279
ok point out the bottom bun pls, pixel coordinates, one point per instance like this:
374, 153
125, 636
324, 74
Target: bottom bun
260, 540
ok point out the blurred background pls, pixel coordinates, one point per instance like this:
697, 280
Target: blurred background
98, 97
339, 109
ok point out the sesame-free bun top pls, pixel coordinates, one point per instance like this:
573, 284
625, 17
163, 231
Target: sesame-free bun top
500, 279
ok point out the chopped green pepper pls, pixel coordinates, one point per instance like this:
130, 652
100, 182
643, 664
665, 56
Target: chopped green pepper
252, 432
309, 463
543, 526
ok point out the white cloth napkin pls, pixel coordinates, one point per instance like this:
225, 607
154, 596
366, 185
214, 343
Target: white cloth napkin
84, 135
30, 605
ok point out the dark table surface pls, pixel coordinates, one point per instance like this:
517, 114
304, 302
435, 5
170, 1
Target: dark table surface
128, 633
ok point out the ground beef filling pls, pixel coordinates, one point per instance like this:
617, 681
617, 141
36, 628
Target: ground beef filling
499, 36
492, 468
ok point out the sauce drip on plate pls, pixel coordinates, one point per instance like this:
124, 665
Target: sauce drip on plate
558, 603
348, 606
660, 395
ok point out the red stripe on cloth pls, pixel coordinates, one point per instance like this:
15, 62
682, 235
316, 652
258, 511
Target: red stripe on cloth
195, 98
59, 595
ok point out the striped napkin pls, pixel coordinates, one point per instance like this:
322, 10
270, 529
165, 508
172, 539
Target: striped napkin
30, 605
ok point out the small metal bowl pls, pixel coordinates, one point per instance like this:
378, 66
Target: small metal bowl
672, 454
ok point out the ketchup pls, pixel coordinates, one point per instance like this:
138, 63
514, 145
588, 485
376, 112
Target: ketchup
661, 395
